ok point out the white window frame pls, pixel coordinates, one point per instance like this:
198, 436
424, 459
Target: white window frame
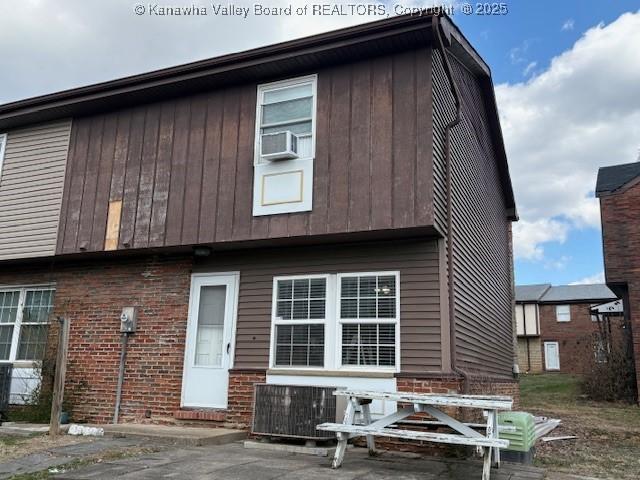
329, 294
333, 324
558, 313
3, 144
17, 325
355, 321
281, 85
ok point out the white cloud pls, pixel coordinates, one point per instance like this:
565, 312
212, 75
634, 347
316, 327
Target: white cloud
595, 278
581, 113
568, 24
529, 68
529, 237
50, 46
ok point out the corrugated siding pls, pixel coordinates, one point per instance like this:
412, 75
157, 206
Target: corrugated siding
31, 189
183, 168
481, 253
419, 292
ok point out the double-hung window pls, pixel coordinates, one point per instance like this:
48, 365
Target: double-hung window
299, 321
563, 313
24, 320
368, 318
338, 321
284, 146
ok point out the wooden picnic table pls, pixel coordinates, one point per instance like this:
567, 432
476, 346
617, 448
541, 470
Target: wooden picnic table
431, 404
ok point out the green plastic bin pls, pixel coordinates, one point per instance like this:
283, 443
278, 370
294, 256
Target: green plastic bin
524, 437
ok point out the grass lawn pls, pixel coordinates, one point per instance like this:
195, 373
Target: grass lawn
608, 443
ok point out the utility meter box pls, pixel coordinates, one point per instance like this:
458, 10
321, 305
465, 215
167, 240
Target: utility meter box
128, 319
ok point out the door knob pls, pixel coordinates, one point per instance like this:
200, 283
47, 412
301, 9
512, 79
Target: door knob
228, 347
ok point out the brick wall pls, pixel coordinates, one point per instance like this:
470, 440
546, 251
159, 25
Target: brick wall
575, 338
92, 295
620, 214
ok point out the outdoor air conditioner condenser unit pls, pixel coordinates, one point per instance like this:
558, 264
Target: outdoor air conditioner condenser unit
293, 411
279, 146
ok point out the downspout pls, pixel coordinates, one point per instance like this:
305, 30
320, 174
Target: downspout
447, 155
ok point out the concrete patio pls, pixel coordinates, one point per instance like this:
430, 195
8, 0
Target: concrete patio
233, 461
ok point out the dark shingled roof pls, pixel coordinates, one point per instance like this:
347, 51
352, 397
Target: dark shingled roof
575, 293
563, 293
614, 177
531, 293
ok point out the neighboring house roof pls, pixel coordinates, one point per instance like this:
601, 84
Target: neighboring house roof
545, 293
615, 177
531, 293
273, 61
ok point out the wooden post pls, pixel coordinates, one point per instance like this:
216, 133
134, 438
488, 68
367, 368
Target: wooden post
58, 383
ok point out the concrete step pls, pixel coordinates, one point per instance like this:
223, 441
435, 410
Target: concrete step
175, 435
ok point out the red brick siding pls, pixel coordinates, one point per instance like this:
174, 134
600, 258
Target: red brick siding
92, 295
620, 214
574, 337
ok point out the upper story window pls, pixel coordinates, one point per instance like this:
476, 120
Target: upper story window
284, 146
563, 313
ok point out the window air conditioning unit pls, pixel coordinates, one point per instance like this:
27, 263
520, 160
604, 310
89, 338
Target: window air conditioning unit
279, 146
293, 411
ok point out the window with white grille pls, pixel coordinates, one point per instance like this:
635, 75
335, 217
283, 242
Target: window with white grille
368, 318
347, 321
24, 322
300, 314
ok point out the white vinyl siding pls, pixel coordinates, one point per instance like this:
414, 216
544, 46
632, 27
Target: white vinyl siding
31, 186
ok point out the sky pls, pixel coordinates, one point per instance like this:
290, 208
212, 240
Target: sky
567, 79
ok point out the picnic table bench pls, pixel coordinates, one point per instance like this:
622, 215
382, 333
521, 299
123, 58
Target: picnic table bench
431, 404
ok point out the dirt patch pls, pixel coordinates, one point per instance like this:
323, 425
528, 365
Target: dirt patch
14, 446
608, 443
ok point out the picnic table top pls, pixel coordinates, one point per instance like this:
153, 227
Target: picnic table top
489, 402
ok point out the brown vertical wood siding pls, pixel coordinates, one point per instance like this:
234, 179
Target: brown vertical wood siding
481, 253
183, 168
417, 262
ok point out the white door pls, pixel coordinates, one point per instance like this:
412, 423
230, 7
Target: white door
551, 356
209, 347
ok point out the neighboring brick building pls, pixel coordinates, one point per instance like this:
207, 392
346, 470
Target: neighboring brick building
555, 326
618, 188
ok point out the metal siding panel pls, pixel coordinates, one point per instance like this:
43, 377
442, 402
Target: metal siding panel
404, 139
191, 214
359, 167
481, 252
211, 168
30, 202
191, 181
147, 177
162, 176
